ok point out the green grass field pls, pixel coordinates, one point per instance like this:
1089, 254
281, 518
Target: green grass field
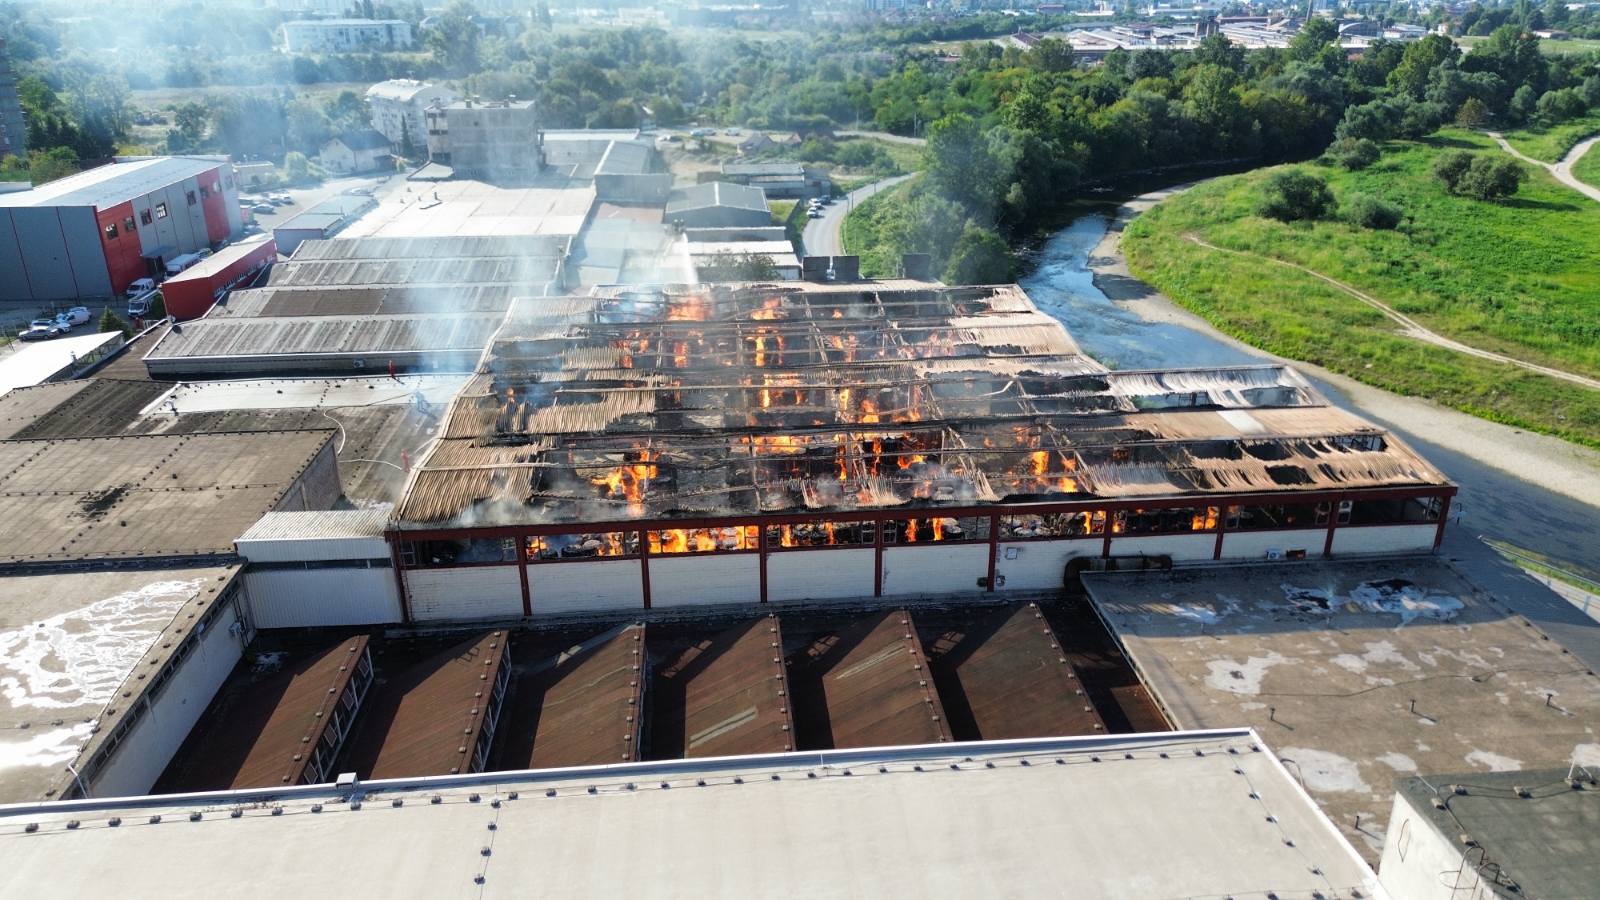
1587, 168
1552, 143
863, 232
1547, 47
1515, 277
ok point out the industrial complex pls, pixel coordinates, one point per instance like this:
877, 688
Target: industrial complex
458, 524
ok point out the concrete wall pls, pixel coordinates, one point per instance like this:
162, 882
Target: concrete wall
563, 587
136, 763
308, 598
318, 486
1181, 547
1421, 863
934, 569
696, 580
820, 574
1040, 565
1255, 544
466, 593
1385, 538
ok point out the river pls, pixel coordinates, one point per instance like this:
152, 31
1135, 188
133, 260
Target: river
1493, 501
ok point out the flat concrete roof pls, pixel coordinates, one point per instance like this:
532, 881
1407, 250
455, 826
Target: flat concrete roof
1206, 814
1358, 673
37, 363
1541, 830
68, 641
553, 205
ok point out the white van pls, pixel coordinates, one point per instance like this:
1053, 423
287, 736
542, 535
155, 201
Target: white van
77, 315
179, 263
139, 287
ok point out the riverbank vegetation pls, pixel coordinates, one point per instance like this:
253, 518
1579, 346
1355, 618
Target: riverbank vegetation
1514, 277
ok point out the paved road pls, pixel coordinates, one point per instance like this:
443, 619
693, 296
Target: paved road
886, 136
822, 237
1411, 327
1562, 170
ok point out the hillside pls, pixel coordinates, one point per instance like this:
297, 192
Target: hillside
1515, 277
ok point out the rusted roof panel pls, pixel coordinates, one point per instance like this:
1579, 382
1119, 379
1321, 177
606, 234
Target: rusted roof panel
725, 696
588, 701
877, 686
426, 719
1013, 675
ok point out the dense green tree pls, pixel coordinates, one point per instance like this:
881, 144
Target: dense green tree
1292, 195
1418, 63
979, 257
959, 164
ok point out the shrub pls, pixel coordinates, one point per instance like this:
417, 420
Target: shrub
1367, 211
1293, 195
1450, 166
1490, 179
1472, 113
1559, 106
1356, 153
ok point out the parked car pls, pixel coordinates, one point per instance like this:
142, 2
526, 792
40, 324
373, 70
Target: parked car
702, 132
280, 199
139, 306
40, 330
140, 286
733, 131
263, 209
814, 213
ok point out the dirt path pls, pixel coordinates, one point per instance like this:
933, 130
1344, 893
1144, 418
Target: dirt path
1561, 170
1493, 462
1411, 327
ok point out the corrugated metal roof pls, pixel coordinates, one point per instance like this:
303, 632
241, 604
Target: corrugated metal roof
716, 193
36, 363
106, 186
792, 169
317, 525
589, 703
324, 335
220, 260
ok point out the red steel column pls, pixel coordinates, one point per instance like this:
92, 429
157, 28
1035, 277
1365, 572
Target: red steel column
1333, 525
994, 547
399, 579
644, 565
522, 572
761, 551
1444, 516
1222, 528
877, 557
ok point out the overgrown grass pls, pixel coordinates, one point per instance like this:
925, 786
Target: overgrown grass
1516, 277
863, 232
906, 156
1550, 143
1587, 168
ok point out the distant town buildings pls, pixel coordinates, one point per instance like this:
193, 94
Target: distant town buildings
13, 128
397, 106
345, 35
356, 152
494, 139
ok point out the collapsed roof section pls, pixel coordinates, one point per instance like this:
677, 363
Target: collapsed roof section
737, 400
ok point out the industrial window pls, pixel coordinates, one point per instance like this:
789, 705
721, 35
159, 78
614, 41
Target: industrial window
946, 529
1393, 512
1164, 521
704, 540
460, 552
1052, 526
144, 216
586, 545
819, 534
190, 196
1289, 515
161, 210
127, 224
205, 192
111, 231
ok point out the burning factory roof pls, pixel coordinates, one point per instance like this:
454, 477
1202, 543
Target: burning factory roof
756, 399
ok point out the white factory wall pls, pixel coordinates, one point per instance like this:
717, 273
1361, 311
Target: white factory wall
934, 569
303, 549
582, 586
307, 598
1385, 538
1414, 856
1255, 544
696, 580
820, 574
1041, 565
137, 762
1181, 547
465, 593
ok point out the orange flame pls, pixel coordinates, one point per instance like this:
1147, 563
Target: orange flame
869, 412
787, 539
1041, 461
911, 531
768, 310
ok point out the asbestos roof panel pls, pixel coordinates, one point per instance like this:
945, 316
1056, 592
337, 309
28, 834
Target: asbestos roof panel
725, 696
1015, 678
318, 524
588, 703
877, 687
106, 186
363, 301
716, 193
426, 719
290, 335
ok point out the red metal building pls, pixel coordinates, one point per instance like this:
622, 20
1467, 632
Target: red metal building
190, 294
